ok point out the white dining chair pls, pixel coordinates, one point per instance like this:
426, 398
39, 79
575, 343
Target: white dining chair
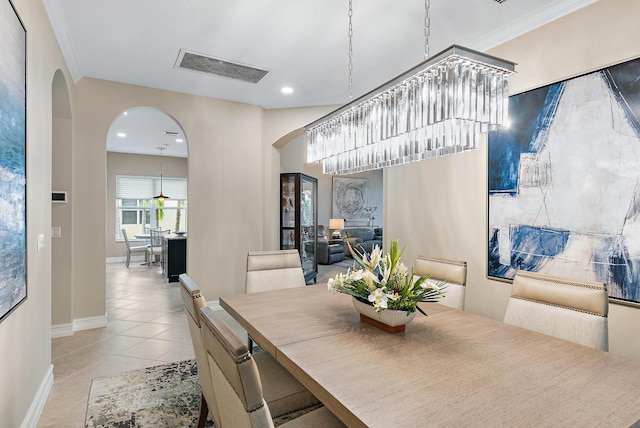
281, 390
135, 249
569, 309
193, 301
154, 249
271, 270
236, 379
452, 272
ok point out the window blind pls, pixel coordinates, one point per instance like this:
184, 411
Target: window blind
128, 187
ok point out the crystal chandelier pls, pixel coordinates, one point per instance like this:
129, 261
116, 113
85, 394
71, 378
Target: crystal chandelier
441, 106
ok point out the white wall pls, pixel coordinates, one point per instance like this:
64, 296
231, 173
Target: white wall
442, 207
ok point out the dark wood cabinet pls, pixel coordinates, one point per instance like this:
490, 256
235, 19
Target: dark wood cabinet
174, 257
298, 219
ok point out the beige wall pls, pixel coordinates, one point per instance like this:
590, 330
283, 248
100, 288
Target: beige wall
293, 159
442, 207
230, 167
129, 164
25, 342
436, 207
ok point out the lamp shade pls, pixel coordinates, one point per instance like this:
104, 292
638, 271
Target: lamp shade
336, 223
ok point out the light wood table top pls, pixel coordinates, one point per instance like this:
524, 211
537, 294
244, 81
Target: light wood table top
452, 368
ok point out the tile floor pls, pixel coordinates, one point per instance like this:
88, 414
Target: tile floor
146, 327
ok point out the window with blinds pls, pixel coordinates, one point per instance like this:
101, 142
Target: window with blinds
137, 211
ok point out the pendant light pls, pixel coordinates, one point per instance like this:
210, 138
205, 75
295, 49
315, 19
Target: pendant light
439, 107
161, 197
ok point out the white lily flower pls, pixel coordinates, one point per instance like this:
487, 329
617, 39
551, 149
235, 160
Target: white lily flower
379, 299
393, 296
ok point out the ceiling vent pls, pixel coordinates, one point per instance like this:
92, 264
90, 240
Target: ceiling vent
219, 67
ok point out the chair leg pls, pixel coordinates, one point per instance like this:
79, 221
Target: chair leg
204, 412
126, 263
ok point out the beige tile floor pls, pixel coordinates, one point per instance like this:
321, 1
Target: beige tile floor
146, 327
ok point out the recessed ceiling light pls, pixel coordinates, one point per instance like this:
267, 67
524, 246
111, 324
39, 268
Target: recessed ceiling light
179, 140
121, 134
287, 90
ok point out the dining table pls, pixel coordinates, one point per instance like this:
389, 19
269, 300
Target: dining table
450, 368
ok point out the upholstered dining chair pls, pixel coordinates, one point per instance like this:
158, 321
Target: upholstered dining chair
569, 309
281, 390
237, 380
453, 272
136, 249
271, 270
193, 301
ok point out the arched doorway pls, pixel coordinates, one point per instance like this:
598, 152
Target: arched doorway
146, 151
61, 213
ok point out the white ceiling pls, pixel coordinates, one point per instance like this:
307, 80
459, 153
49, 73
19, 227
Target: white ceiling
302, 43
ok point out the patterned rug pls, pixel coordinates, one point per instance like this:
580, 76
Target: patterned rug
161, 396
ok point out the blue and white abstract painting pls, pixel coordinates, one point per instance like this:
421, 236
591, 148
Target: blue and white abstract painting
564, 182
13, 263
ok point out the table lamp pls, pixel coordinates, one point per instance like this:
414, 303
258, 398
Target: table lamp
336, 224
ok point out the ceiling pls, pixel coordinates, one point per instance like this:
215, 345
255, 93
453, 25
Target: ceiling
302, 44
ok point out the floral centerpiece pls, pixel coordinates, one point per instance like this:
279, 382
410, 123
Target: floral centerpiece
385, 282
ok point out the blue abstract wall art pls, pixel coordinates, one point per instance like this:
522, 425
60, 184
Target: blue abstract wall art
13, 254
564, 182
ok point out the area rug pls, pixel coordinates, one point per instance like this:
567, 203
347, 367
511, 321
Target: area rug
161, 396
347, 262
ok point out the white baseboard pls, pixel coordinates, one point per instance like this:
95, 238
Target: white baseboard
63, 330
89, 323
35, 410
134, 259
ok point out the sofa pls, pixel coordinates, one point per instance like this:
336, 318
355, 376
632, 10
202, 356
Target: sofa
329, 250
361, 238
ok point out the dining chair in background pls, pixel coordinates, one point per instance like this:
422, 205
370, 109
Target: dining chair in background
136, 249
453, 272
569, 309
236, 377
154, 249
281, 390
271, 270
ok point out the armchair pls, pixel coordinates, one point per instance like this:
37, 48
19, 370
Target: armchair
329, 250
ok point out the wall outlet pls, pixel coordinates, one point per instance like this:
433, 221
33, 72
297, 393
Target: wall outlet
40, 242
56, 232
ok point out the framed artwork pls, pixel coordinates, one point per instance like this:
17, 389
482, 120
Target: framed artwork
350, 199
564, 182
13, 230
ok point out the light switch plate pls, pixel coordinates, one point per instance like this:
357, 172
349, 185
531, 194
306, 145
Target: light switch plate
40, 242
56, 232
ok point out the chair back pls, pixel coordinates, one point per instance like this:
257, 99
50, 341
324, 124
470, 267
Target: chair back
453, 272
573, 310
193, 301
156, 236
271, 270
321, 233
126, 238
234, 375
